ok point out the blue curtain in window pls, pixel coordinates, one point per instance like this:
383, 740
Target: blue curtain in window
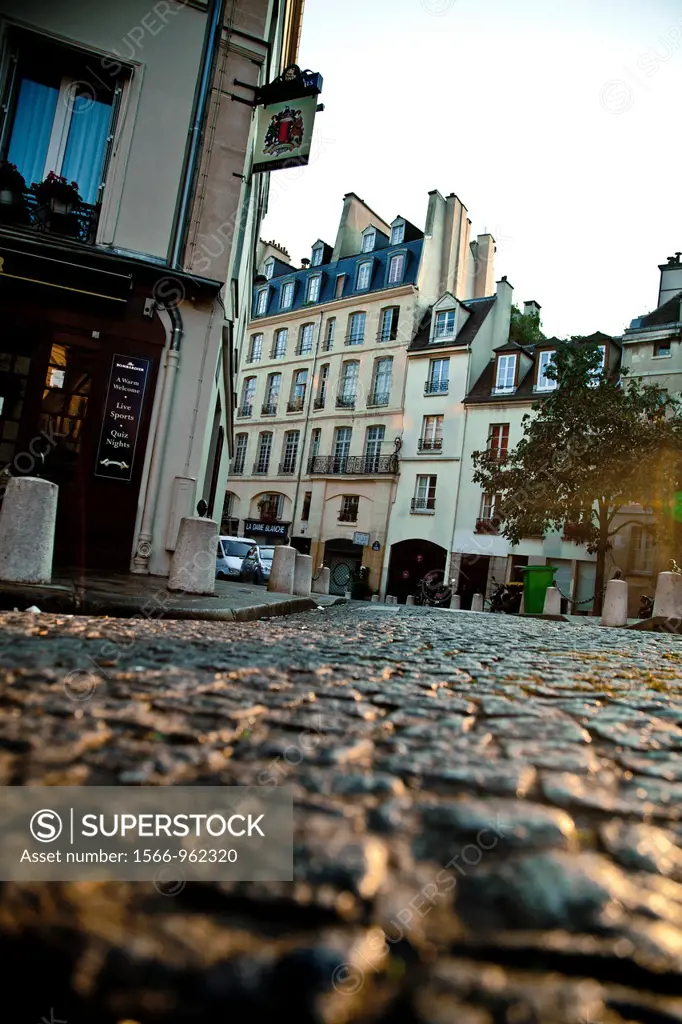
86, 144
36, 106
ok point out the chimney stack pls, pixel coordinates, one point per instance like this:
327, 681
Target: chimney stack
531, 307
671, 278
305, 263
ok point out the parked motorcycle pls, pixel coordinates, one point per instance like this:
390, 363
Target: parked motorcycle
506, 598
432, 590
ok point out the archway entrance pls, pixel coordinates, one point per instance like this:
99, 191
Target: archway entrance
410, 562
344, 559
473, 578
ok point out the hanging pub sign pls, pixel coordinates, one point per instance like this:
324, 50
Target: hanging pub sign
285, 120
122, 415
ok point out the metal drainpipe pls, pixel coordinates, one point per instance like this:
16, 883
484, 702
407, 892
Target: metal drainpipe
214, 27
143, 548
306, 422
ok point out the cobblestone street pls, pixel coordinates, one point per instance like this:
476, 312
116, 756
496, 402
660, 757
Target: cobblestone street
488, 818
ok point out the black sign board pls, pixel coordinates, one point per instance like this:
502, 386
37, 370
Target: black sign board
52, 272
122, 415
252, 526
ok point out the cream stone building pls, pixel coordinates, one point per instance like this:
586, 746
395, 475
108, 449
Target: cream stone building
136, 284
319, 435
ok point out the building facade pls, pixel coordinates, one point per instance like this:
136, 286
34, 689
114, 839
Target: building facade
116, 360
319, 434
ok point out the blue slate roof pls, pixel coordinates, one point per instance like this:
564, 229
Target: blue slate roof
349, 267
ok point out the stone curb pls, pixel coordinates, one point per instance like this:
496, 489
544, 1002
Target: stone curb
66, 602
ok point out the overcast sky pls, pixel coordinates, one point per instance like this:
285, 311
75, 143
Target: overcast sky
556, 122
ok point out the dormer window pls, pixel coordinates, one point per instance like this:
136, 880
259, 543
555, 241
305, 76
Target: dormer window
506, 373
396, 268
596, 374
269, 267
364, 276
397, 232
286, 299
261, 301
317, 256
543, 382
445, 325
313, 290
369, 237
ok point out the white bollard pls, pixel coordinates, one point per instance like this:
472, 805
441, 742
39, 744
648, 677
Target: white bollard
615, 608
522, 606
409, 599
477, 603
668, 600
321, 584
376, 598
27, 521
303, 575
455, 602
192, 568
282, 572
552, 602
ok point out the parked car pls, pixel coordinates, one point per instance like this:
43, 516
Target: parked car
266, 556
231, 553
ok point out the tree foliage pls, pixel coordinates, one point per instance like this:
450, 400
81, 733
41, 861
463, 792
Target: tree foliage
590, 447
524, 328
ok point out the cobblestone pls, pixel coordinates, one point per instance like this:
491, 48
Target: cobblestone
487, 829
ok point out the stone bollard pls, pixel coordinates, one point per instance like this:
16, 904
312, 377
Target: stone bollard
409, 599
552, 602
455, 602
303, 575
192, 568
27, 522
477, 603
282, 572
376, 598
321, 584
522, 606
615, 608
668, 600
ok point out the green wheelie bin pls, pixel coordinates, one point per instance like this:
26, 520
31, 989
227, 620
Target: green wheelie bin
536, 580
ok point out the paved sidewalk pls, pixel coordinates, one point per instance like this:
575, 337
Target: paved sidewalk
125, 595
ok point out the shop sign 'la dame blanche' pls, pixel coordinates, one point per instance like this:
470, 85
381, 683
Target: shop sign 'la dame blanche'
285, 120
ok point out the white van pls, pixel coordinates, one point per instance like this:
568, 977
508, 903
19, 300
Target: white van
230, 555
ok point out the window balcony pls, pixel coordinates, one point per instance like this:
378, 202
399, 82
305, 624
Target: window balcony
348, 516
287, 467
295, 405
345, 401
244, 411
236, 467
303, 351
27, 213
276, 353
318, 403
430, 444
425, 506
379, 398
355, 339
269, 409
261, 467
353, 465
487, 526
436, 387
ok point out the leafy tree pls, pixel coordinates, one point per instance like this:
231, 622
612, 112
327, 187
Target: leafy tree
590, 447
524, 328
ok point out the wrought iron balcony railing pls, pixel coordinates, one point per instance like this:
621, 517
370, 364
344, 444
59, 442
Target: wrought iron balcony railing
436, 387
261, 467
348, 465
423, 505
236, 467
345, 401
245, 410
26, 212
287, 467
430, 444
269, 409
318, 403
348, 516
295, 405
378, 398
